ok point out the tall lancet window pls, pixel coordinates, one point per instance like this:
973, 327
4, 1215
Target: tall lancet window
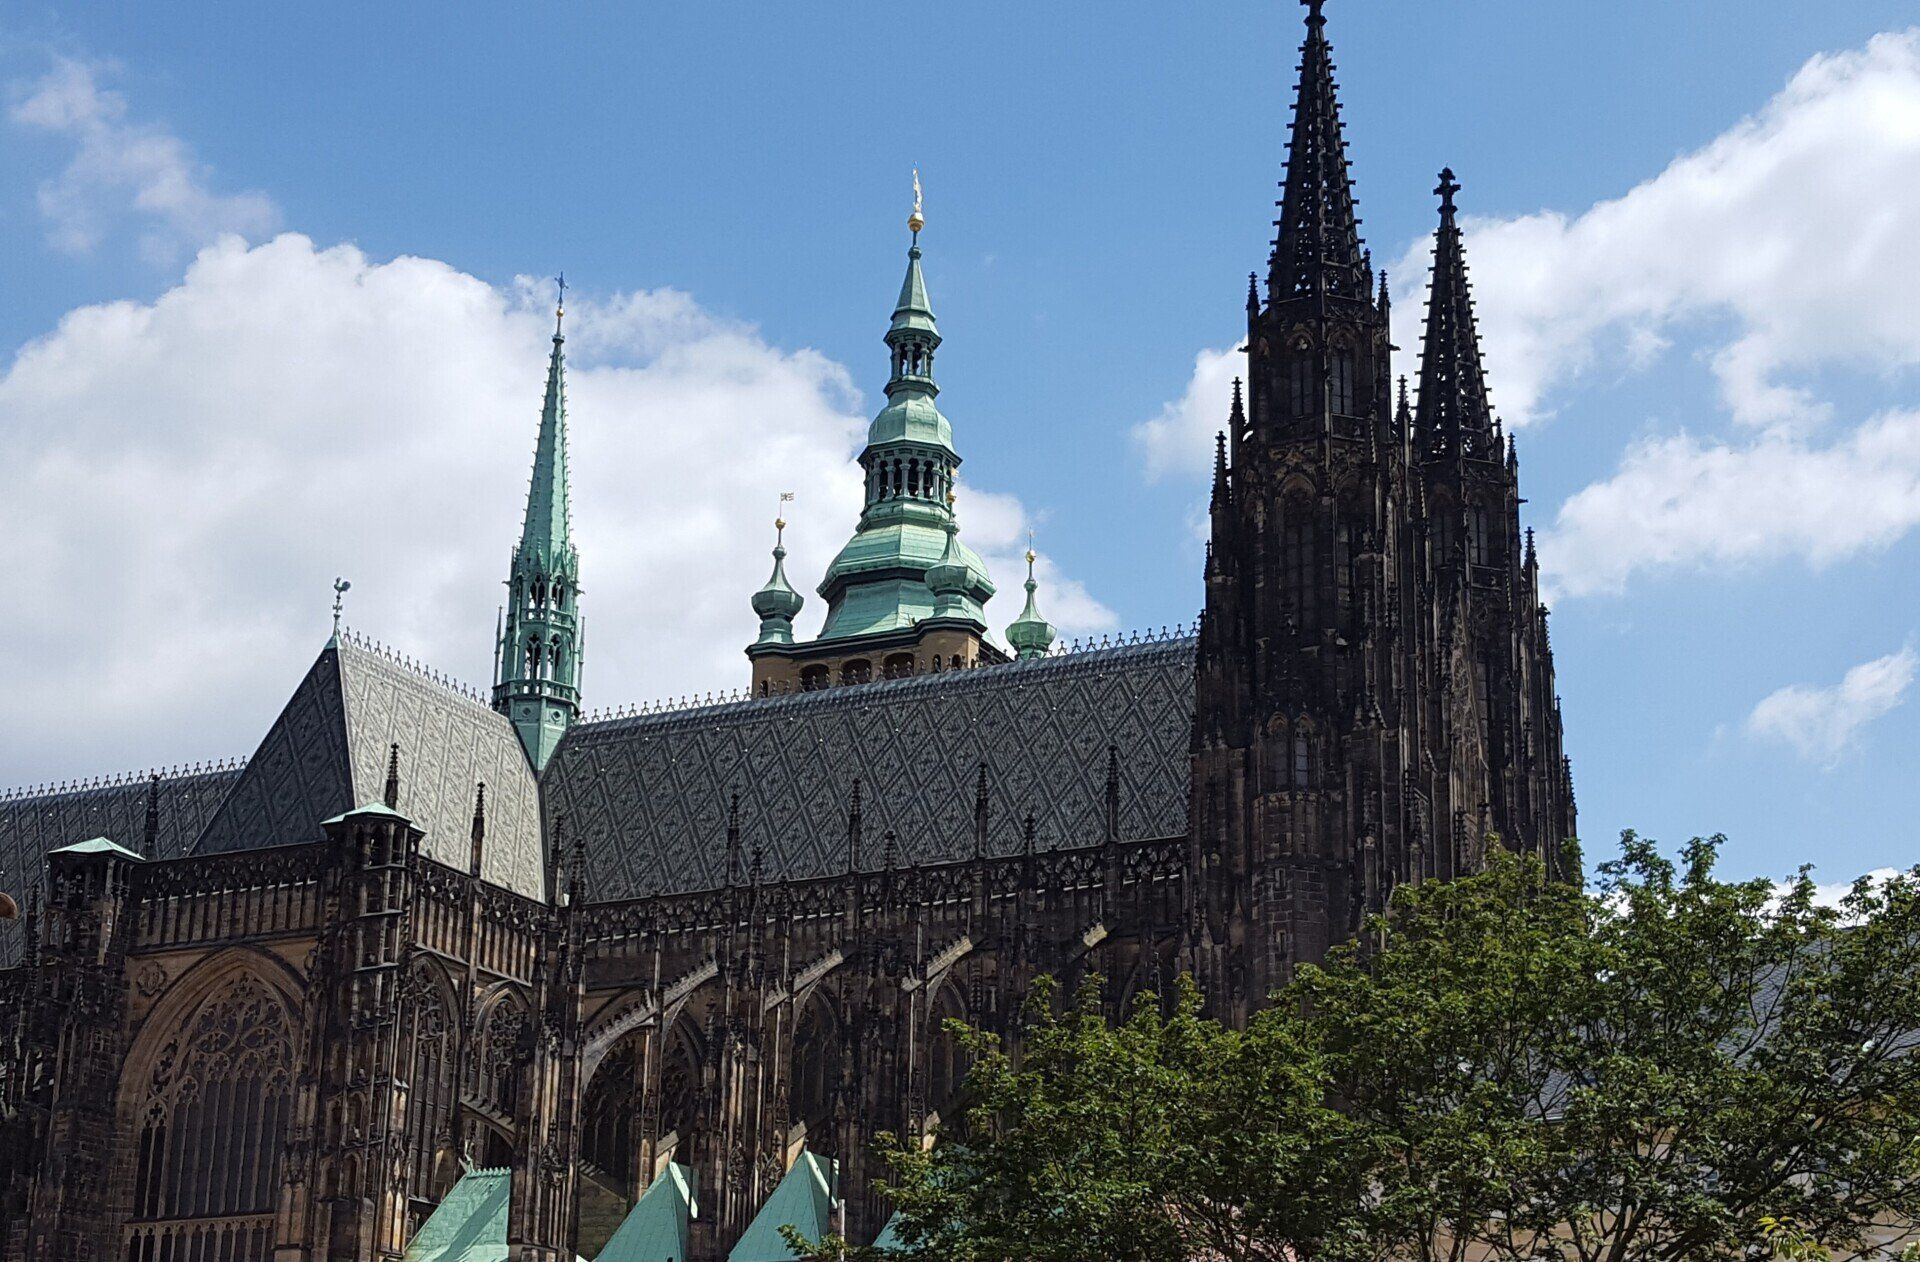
1296, 564
1340, 382
211, 1121
1300, 379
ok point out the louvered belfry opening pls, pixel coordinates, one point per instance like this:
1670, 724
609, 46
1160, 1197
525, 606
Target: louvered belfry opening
212, 1124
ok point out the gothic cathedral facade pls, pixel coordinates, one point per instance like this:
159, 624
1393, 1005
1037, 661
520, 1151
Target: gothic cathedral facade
434, 972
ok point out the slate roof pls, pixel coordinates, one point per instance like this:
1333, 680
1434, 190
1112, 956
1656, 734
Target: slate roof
33, 822
327, 753
649, 794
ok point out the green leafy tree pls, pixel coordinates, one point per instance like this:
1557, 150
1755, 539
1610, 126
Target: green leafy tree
1664, 1067
1647, 1070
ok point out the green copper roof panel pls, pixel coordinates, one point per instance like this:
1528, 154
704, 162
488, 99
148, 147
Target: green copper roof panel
657, 1228
889, 1237
98, 845
470, 1225
803, 1200
911, 418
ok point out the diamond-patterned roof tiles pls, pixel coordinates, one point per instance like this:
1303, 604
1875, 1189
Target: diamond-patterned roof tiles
649, 794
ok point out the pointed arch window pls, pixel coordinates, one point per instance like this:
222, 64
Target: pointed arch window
607, 1112
1479, 535
1299, 379
948, 1060
814, 1072
431, 1099
211, 1122
1296, 565
1341, 382
1302, 761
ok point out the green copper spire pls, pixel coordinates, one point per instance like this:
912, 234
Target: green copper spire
777, 603
879, 582
1030, 634
537, 655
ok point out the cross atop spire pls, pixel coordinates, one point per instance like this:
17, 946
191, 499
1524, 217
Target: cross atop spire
1317, 247
1454, 416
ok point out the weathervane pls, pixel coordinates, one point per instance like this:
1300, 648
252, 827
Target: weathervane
340, 586
780, 517
559, 301
916, 220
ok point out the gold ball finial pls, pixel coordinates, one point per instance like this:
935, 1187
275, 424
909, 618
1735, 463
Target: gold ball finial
1032, 556
916, 220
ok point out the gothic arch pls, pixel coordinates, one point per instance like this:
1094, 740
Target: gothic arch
609, 1108
206, 1100
434, 1016
493, 1071
947, 1058
683, 1058
813, 1071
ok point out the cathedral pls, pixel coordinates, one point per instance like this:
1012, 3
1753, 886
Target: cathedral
440, 975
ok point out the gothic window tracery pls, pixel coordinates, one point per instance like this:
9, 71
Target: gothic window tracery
816, 1057
948, 1060
496, 1067
432, 1033
606, 1136
211, 1122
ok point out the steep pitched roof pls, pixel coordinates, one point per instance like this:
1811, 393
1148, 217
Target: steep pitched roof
802, 1200
649, 795
327, 752
32, 823
657, 1228
470, 1225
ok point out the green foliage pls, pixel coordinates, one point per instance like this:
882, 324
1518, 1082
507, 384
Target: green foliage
1665, 1067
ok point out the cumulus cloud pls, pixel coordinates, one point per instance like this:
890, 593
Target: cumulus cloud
1785, 226
1821, 724
190, 474
123, 168
1680, 501
1179, 441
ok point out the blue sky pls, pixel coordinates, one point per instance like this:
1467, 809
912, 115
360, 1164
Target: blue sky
208, 442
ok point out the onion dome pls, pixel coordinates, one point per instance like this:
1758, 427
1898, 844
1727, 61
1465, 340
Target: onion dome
776, 602
951, 578
1030, 634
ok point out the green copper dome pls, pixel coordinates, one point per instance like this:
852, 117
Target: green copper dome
776, 602
1030, 634
880, 581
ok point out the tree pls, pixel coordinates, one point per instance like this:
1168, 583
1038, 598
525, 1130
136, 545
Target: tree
1665, 1067
1650, 1070
1127, 1141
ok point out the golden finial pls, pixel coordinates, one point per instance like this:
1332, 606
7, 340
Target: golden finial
916, 220
950, 498
780, 515
1032, 556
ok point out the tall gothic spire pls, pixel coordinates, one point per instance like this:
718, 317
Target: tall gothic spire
537, 681
1316, 249
1453, 416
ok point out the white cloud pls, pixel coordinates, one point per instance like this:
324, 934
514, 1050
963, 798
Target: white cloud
1682, 502
120, 167
190, 475
1179, 441
1822, 724
1790, 225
